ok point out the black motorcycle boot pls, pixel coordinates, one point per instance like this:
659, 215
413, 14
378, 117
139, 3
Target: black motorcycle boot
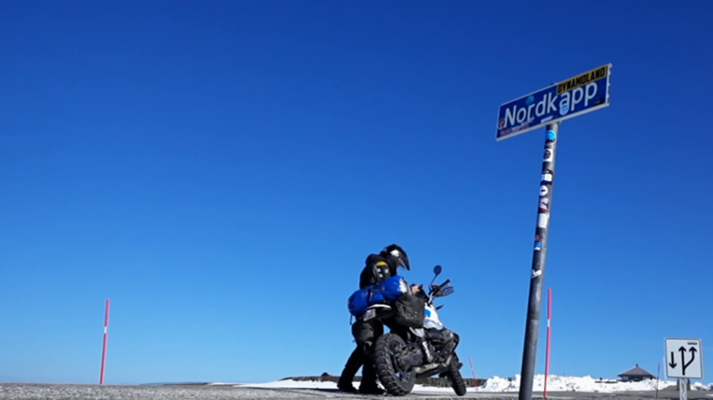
350, 369
345, 381
371, 390
347, 387
368, 380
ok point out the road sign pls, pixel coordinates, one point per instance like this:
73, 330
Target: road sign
572, 97
684, 358
581, 94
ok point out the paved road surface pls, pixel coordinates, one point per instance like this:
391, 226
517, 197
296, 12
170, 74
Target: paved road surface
22, 391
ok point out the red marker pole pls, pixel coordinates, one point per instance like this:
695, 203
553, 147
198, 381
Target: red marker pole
106, 334
473, 371
549, 330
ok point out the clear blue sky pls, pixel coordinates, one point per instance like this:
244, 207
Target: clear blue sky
220, 171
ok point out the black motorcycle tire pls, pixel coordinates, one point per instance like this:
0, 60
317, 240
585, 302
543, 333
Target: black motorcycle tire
385, 348
456, 379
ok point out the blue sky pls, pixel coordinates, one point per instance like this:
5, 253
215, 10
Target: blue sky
220, 171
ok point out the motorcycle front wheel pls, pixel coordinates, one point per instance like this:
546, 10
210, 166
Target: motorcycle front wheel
386, 352
455, 377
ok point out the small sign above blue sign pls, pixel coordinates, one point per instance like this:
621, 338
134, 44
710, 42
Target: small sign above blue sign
579, 95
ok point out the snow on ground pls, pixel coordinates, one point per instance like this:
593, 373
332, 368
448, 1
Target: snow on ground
555, 383
289, 383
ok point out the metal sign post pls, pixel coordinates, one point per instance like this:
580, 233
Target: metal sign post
538, 260
683, 388
579, 95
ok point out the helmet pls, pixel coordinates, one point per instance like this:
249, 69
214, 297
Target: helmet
380, 268
396, 256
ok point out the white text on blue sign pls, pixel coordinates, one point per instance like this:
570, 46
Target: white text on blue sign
562, 100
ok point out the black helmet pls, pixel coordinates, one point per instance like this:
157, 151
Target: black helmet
380, 268
396, 256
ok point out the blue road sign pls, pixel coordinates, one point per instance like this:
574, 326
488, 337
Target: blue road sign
579, 95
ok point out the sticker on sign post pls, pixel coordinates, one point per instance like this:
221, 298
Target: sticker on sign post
542, 220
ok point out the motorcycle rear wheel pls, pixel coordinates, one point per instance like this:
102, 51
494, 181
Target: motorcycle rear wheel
386, 352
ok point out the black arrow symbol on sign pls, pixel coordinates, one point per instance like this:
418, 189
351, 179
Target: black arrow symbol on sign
693, 357
672, 364
685, 365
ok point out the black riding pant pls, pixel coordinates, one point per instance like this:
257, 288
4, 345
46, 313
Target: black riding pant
365, 334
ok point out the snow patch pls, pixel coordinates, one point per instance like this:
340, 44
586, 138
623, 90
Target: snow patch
292, 384
555, 383
223, 384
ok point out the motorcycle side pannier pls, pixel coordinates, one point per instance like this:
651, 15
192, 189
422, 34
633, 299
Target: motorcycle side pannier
410, 311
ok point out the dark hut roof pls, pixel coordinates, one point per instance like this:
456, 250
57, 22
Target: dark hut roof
636, 371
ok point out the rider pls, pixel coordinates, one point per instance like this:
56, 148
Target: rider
378, 268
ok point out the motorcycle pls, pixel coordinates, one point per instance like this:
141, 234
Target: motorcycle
416, 348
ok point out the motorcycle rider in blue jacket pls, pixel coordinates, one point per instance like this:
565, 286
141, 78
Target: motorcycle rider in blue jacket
378, 268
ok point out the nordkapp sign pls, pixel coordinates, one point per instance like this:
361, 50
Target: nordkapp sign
581, 94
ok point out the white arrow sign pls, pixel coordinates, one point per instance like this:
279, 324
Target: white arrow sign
684, 358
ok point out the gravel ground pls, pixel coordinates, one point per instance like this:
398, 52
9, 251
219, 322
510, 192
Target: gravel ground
17, 391
109, 392
23, 391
